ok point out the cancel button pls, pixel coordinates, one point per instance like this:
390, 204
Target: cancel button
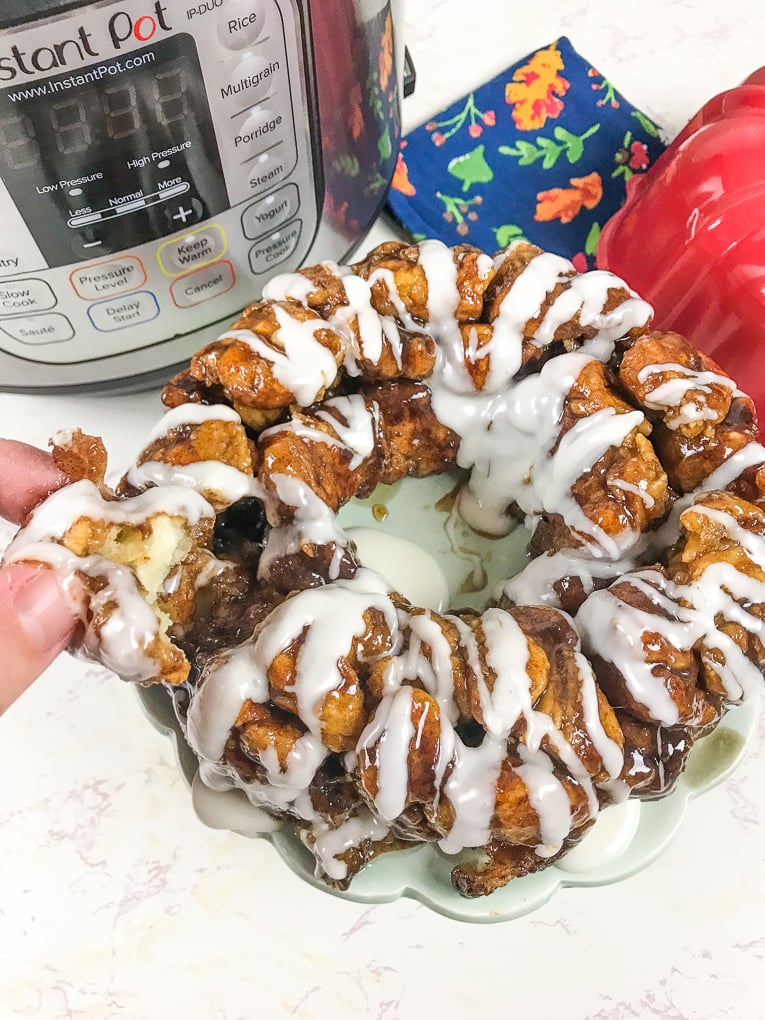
203, 284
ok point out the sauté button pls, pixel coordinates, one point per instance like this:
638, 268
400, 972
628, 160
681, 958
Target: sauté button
51, 328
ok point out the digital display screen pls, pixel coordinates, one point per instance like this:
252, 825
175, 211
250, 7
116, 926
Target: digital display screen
110, 156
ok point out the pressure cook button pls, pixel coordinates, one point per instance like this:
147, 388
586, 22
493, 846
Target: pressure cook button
52, 328
122, 312
19, 296
202, 284
271, 211
242, 24
114, 276
271, 250
192, 250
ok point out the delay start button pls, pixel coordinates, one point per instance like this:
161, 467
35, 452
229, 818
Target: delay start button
202, 284
275, 248
121, 313
192, 250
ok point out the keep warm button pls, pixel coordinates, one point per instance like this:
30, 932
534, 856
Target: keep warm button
120, 313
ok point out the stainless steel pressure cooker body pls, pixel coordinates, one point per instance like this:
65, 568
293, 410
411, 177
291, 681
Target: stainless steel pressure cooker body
160, 159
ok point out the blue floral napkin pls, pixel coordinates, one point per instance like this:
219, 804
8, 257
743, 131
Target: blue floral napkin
540, 152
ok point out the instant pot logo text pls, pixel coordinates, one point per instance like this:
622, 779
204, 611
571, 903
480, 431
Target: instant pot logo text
121, 29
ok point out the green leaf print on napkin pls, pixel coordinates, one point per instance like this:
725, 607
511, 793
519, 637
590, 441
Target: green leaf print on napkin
471, 168
549, 150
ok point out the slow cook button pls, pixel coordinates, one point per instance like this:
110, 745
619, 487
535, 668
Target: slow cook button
270, 212
192, 250
275, 248
115, 276
52, 328
202, 284
18, 296
120, 313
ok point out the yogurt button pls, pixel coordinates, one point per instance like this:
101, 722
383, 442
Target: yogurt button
270, 212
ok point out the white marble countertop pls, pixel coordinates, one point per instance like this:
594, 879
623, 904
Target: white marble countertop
116, 902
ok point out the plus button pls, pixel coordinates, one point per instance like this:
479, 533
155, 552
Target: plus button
183, 214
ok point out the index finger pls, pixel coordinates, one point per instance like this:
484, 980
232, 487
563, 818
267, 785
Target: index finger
27, 476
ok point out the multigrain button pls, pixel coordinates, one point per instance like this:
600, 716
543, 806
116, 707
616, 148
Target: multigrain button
121, 313
203, 284
19, 296
270, 212
51, 328
115, 276
275, 248
252, 80
192, 250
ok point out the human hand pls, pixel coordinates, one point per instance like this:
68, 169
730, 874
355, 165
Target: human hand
36, 617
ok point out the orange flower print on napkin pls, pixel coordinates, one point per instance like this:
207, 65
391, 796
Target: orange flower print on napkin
401, 180
533, 93
565, 203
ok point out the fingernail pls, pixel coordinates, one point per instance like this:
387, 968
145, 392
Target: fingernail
43, 610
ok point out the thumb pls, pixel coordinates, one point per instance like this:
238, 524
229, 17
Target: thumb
37, 621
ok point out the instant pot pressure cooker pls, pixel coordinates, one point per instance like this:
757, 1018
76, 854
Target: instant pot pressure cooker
160, 159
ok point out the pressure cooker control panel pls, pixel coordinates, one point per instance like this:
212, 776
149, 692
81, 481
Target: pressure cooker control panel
157, 164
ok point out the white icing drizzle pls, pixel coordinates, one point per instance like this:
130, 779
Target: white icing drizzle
675, 394
304, 366
392, 731
328, 844
53, 518
191, 414
127, 626
221, 484
360, 429
536, 582
471, 789
615, 631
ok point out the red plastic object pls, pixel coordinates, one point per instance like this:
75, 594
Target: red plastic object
691, 236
